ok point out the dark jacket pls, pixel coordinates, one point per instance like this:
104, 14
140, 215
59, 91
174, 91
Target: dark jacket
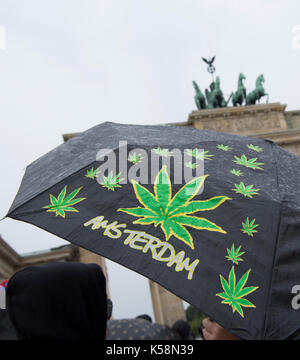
7, 331
58, 301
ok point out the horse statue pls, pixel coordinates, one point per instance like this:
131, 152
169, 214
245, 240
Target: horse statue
215, 97
258, 93
199, 97
240, 95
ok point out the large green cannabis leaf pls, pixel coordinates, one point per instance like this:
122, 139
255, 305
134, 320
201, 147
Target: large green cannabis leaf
61, 204
171, 213
234, 294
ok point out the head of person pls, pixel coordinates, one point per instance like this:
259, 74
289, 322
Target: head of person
145, 317
58, 301
182, 328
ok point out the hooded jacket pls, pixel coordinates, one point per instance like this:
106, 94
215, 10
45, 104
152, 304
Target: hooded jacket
58, 301
7, 331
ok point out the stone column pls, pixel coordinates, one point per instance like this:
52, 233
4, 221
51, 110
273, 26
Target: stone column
167, 307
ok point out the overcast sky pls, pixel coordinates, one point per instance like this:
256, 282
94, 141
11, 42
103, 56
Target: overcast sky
71, 64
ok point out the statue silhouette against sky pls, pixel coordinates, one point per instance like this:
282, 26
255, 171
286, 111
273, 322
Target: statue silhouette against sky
214, 97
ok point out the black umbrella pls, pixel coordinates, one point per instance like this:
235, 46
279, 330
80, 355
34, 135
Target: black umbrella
139, 329
226, 241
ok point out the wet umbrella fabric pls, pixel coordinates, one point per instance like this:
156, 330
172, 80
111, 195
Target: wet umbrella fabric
139, 329
231, 250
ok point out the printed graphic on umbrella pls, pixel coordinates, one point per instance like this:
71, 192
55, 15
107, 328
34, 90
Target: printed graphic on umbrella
223, 240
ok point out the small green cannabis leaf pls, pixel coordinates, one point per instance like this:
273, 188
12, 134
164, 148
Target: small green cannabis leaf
255, 148
200, 155
234, 255
111, 182
162, 152
251, 163
171, 213
92, 174
135, 158
246, 190
249, 227
191, 165
236, 172
61, 203
234, 294
223, 147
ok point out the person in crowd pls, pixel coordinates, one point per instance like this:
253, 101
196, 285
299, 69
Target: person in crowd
7, 331
139, 329
58, 301
145, 317
213, 331
109, 309
182, 328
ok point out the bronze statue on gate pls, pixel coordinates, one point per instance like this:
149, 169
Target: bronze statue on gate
214, 97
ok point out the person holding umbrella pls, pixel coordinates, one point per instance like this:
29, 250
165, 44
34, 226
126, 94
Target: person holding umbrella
213, 331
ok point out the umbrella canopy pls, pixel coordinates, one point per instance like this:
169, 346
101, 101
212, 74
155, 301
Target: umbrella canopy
225, 239
139, 329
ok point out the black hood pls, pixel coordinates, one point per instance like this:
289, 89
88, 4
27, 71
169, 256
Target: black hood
65, 301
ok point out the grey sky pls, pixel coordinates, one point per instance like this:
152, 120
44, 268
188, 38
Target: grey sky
72, 64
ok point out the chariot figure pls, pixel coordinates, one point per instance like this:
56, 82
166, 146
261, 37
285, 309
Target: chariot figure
240, 95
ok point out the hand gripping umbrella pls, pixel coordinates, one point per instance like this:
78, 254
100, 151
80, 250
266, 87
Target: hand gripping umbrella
225, 240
